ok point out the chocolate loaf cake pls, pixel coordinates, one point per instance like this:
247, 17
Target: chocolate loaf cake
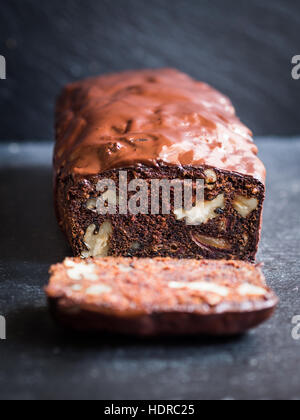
135, 130
151, 297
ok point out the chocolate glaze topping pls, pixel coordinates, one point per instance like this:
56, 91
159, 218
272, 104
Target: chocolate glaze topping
152, 118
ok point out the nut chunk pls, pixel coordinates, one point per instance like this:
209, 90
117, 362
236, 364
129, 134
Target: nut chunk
97, 242
149, 297
155, 125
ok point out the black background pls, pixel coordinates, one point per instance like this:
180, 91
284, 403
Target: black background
243, 48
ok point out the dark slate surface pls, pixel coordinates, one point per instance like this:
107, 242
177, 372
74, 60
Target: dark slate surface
244, 48
37, 361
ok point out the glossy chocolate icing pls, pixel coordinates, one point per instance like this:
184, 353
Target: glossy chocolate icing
150, 117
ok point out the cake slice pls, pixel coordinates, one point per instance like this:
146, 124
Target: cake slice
154, 297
